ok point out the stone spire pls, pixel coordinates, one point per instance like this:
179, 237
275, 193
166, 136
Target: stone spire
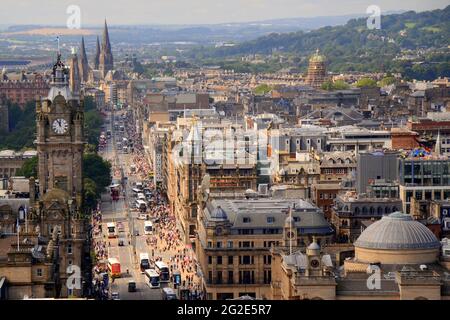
106, 57
97, 56
83, 63
74, 76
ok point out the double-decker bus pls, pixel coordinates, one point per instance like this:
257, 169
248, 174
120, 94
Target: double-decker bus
114, 267
163, 271
144, 262
152, 278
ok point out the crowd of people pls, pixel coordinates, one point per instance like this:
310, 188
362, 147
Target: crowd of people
168, 246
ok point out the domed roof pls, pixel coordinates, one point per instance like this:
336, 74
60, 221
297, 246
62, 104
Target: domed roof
314, 246
317, 57
219, 213
397, 231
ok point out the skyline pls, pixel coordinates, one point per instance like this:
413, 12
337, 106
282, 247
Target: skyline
173, 12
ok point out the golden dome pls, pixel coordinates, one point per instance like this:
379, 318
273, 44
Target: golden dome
315, 58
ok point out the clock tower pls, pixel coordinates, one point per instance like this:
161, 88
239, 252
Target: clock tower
60, 140
57, 212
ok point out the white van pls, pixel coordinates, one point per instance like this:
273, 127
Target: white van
148, 228
141, 205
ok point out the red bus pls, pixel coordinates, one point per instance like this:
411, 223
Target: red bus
114, 268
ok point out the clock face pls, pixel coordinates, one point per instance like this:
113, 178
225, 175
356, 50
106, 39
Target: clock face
290, 234
60, 126
315, 263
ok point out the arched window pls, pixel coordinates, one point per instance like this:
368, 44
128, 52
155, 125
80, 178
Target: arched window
394, 209
386, 210
380, 210
357, 210
364, 210
372, 210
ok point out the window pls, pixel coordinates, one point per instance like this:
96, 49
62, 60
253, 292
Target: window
39, 272
267, 259
70, 262
229, 244
219, 244
246, 220
246, 260
69, 248
270, 219
219, 277
267, 276
321, 195
230, 259
219, 259
209, 259
209, 244
230, 277
246, 244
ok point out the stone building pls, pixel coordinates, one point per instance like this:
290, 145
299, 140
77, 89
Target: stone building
351, 210
22, 87
230, 171
235, 236
11, 161
4, 116
55, 208
402, 255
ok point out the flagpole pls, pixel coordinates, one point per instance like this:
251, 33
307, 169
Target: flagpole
18, 231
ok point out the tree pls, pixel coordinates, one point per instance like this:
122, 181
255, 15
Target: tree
337, 85
386, 81
262, 89
29, 168
98, 170
91, 193
366, 83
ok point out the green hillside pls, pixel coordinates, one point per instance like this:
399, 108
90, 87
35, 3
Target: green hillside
353, 47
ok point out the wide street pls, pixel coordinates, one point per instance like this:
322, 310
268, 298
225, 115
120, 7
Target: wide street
118, 211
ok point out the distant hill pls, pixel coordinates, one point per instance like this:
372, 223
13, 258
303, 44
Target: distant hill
353, 46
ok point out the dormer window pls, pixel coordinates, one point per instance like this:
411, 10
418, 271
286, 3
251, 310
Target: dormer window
246, 220
270, 219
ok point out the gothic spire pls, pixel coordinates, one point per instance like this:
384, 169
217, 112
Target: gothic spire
106, 45
97, 55
83, 63
106, 57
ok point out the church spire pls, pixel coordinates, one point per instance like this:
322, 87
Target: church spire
106, 57
97, 55
83, 63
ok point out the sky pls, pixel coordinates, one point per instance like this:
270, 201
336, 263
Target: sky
121, 12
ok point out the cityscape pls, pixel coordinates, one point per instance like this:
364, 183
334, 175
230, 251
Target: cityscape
214, 155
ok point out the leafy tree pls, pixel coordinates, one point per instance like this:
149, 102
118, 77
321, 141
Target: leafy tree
337, 85
91, 193
97, 169
262, 89
29, 168
386, 81
366, 83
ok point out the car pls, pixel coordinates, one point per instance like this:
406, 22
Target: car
115, 296
131, 286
